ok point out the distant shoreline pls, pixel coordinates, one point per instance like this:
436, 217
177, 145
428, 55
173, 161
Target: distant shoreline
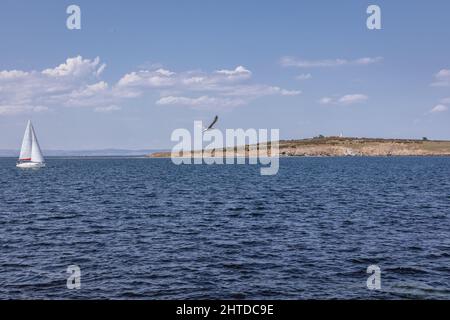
315, 147
143, 156
332, 147
6, 153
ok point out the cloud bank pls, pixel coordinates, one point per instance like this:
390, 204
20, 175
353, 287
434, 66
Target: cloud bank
442, 78
77, 83
301, 63
348, 99
439, 108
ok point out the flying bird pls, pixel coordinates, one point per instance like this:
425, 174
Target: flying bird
212, 124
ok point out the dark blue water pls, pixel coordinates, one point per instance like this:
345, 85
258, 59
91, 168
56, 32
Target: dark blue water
147, 229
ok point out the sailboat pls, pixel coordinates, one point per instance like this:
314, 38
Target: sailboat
30, 154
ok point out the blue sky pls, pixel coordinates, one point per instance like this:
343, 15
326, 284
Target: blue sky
305, 67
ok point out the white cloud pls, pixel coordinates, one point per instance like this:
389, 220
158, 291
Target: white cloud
442, 78
148, 79
353, 98
258, 91
189, 80
107, 109
13, 74
73, 83
285, 92
129, 79
301, 63
444, 73
203, 101
197, 88
76, 67
239, 72
325, 100
13, 109
194, 80
77, 83
165, 72
304, 76
439, 108
348, 99
366, 61
90, 90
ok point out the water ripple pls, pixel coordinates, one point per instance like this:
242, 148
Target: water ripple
147, 229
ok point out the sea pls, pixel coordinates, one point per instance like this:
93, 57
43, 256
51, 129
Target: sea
136, 228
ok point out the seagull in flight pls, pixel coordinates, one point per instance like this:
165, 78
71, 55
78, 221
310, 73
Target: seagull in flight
212, 124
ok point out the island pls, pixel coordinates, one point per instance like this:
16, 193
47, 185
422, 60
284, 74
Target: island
335, 147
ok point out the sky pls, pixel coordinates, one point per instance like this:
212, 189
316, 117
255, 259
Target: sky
137, 70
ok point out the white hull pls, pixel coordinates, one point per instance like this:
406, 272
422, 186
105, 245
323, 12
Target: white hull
30, 165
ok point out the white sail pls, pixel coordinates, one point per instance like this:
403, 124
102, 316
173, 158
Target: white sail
36, 153
25, 151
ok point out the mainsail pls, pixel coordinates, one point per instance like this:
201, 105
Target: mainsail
31, 150
25, 152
